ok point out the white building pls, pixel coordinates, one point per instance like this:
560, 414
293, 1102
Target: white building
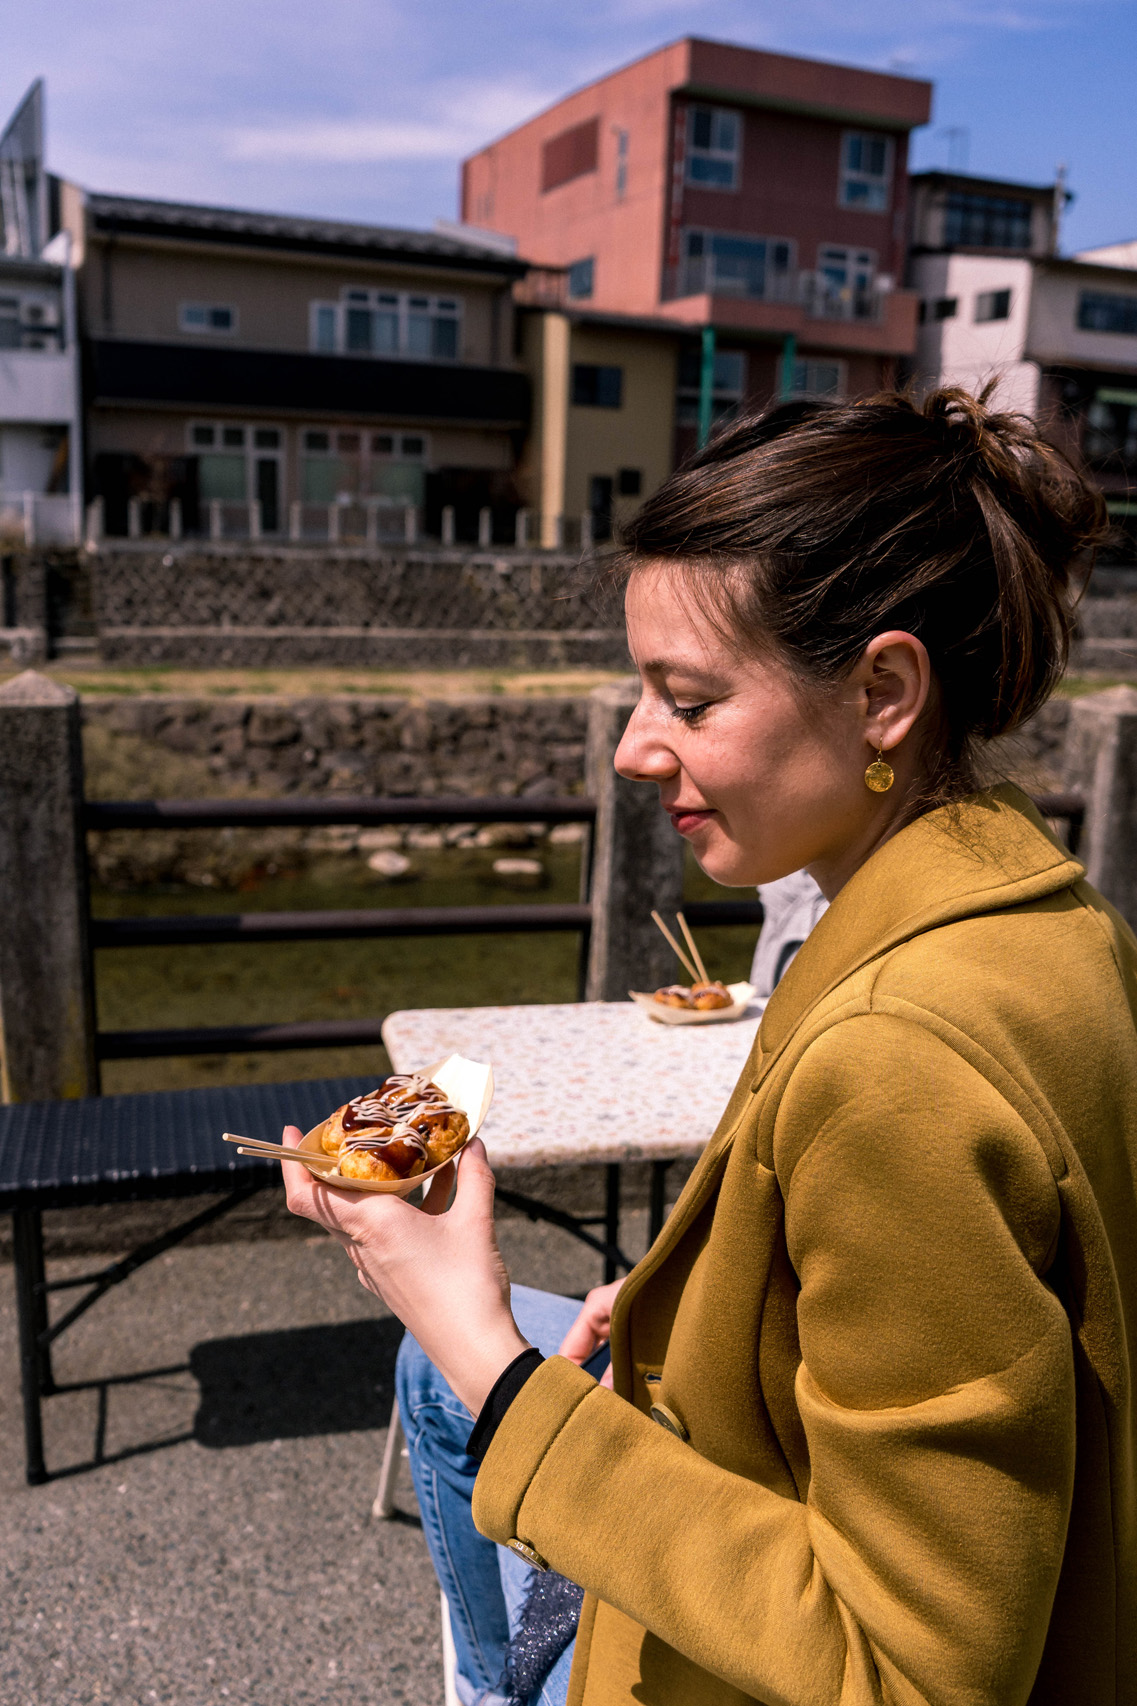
1057, 334
41, 463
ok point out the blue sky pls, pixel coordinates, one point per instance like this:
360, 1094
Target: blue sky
362, 108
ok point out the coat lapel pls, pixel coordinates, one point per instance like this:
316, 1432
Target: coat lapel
987, 853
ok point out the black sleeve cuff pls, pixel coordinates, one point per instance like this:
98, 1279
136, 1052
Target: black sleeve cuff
504, 1390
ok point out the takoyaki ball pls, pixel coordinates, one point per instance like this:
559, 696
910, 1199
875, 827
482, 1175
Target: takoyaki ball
446, 1136
675, 995
707, 996
395, 1160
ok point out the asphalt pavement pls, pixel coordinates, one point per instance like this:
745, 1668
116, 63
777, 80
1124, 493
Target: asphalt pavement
206, 1536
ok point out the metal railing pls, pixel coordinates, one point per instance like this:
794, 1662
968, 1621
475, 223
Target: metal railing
333, 924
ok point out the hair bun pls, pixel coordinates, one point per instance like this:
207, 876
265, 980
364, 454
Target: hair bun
967, 424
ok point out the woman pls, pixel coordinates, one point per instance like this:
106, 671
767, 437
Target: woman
871, 1436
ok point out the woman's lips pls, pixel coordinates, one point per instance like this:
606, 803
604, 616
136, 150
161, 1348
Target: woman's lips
686, 821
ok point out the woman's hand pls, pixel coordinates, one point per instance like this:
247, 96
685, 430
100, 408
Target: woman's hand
592, 1327
438, 1269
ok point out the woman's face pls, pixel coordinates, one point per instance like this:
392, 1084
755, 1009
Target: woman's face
760, 779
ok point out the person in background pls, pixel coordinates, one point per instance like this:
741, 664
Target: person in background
790, 907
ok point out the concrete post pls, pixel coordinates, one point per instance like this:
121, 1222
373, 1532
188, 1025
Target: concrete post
215, 524
637, 861
47, 1015
448, 524
521, 529
175, 518
410, 524
134, 518
586, 539
295, 521
485, 527
96, 523
1101, 764
255, 518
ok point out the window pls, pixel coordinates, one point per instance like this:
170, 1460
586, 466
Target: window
945, 308
723, 263
207, 317
713, 137
621, 164
597, 387
973, 221
727, 390
570, 155
388, 323
580, 277
352, 466
1102, 311
629, 482
1111, 428
817, 379
236, 462
866, 170
845, 277
993, 305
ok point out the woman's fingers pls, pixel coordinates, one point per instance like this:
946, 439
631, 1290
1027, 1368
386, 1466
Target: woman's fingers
438, 1190
473, 1197
592, 1325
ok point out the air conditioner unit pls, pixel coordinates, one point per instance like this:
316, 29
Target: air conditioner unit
39, 314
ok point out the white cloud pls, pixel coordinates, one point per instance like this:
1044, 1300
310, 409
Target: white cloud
467, 115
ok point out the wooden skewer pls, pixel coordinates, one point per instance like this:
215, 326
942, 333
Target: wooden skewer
695, 954
255, 1146
683, 960
314, 1163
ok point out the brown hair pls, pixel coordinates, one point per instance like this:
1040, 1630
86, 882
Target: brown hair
812, 527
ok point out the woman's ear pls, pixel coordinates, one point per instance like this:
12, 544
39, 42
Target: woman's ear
895, 673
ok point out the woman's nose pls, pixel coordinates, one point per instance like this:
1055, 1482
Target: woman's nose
641, 755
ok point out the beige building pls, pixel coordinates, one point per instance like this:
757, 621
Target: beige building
294, 364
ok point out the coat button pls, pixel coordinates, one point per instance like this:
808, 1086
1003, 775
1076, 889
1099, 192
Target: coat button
529, 1555
669, 1420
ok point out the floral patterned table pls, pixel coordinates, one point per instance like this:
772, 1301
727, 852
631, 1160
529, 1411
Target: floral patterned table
594, 1081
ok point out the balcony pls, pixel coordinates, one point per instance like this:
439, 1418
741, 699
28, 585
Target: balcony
808, 305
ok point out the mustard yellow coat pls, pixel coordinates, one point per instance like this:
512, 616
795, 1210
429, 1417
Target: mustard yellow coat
888, 1330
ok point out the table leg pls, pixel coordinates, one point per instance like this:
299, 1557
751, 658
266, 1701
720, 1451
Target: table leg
35, 1355
657, 1204
612, 1219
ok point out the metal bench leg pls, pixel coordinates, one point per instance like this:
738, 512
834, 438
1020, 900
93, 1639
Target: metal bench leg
36, 1377
657, 1207
393, 1453
612, 1220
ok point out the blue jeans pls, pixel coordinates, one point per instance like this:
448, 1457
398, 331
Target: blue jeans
484, 1584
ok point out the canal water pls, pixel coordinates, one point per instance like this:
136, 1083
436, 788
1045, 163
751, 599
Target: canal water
276, 982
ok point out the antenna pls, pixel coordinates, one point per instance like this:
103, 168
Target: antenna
1061, 196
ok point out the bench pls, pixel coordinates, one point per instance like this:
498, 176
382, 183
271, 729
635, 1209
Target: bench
165, 1144
108, 1149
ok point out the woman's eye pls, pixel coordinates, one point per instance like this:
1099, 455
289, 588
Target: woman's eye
691, 713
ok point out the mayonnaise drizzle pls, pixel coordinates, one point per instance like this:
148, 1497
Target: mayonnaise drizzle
399, 1102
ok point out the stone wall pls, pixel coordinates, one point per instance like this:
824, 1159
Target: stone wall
250, 606
165, 747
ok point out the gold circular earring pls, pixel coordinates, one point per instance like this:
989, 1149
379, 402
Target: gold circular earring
879, 776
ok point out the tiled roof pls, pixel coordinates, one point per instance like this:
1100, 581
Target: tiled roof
133, 215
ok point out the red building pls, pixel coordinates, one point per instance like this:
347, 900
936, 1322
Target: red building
711, 186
